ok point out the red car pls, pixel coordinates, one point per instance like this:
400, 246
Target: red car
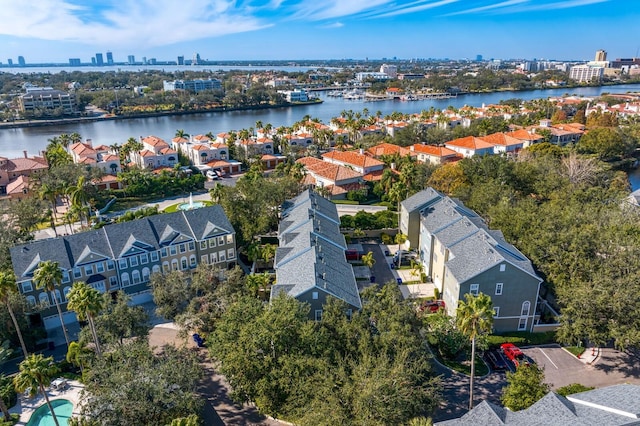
432, 306
513, 354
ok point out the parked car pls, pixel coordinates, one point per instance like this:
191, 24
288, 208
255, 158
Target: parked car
198, 339
212, 175
495, 360
514, 354
404, 258
432, 306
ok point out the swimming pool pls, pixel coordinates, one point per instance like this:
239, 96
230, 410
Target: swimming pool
42, 416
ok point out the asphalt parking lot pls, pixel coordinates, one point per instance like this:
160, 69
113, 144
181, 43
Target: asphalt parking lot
560, 367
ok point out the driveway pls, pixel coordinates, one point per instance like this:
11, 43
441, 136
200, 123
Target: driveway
380, 269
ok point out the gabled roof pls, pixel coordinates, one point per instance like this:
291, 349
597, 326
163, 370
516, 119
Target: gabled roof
310, 256
352, 158
502, 139
469, 142
433, 150
388, 149
332, 172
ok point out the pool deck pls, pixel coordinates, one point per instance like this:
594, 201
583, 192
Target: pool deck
26, 406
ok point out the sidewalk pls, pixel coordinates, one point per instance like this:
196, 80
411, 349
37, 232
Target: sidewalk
590, 355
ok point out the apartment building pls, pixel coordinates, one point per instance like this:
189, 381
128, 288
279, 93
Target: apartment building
123, 256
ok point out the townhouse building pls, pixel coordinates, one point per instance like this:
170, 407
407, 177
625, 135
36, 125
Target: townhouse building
470, 146
461, 255
14, 169
47, 99
123, 256
434, 154
334, 180
155, 153
310, 261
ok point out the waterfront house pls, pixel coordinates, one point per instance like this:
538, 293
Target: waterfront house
123, 256
155, 153
356, 160
503, 143
310, 261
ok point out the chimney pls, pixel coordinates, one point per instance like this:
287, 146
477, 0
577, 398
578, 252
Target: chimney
89, 142
361, 151
393, 166
25, 153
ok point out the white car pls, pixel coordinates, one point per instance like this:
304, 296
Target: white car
212, 175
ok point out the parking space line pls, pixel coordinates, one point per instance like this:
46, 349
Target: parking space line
547, 356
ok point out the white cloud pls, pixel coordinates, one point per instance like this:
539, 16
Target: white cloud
334, 25
565, 4
319, 10
418, 6
126, 22
500, 5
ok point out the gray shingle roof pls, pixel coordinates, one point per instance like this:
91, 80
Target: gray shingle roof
611, 406
311, 252
115, 240
475, 247
420, 200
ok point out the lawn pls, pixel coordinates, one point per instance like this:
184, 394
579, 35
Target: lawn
575, 350
174, 207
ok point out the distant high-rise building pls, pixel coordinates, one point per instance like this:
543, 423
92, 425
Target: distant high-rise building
74, 62
180, 60
390, 70
109, 58
10, 62
99, 59
601, 56
93, 61
196, 59
479, 58
153, 61
21, 61
131, 59
144, 60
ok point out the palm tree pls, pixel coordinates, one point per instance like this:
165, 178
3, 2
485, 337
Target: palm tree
368, 259
75, 137
49, 276
78, 355
5, 353
474, 318
87, 302
8, 286
80, 197
181, 134
217, 192
36, 371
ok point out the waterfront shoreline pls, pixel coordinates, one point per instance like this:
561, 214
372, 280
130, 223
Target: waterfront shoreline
108, 117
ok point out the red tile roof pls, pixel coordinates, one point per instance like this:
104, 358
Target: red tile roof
388, 149
470, 142
433, 150
352, 158
332, 172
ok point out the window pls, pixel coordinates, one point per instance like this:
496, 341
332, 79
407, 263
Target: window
522, 325
155, 269
212, 243
113, 282
135, 276
88, 270
503, 267
110, 265
214, 258
66, 291
318, 314
499, 289
144, 258
192, 261
183, 263
173, 250
192, 246
204, 258
165, 266
27, 287
525, 308
174, 264
231, 253
122, 263
65, 276
183, 248
496, 311
349, 313
145, 274
133, 261
164, 252
221, 256
473, 289
203, 245
100, 267
229, 239
154, 256
98, 285
43, 298
124, 278
314, 295
58, 296
77, 273
220, 241
31, 300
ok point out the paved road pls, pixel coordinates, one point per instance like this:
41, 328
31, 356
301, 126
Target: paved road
380, 269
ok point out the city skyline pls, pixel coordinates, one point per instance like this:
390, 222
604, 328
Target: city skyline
306, 29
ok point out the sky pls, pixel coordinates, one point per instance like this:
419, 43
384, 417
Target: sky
56, 30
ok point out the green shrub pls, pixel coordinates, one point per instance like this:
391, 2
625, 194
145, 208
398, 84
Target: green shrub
423, 278
573, 388
386, 238
436, 293
7, 391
